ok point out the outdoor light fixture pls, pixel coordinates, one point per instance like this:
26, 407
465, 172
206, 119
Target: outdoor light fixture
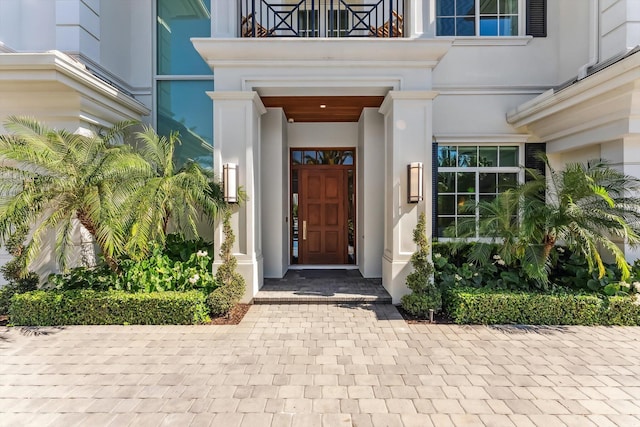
414, 182
230, 182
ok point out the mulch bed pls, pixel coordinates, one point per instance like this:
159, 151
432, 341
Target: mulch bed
439, 318
234, 317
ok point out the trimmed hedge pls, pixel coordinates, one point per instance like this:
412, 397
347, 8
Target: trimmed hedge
88, 307
481, 306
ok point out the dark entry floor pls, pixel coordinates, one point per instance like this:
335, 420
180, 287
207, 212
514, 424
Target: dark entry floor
322, 286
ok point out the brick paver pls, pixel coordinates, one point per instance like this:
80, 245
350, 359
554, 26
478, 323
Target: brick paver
320, 365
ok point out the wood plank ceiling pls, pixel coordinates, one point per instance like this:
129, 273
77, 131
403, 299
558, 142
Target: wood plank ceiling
310, 108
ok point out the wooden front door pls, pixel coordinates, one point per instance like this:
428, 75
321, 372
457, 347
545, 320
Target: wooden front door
322, 215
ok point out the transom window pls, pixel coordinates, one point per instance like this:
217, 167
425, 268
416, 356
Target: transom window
477, 17
468, 174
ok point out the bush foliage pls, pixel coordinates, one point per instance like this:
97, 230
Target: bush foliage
231, 285
425, 295
484, 306
88, 307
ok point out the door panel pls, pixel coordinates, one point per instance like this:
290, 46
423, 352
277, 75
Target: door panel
322, 211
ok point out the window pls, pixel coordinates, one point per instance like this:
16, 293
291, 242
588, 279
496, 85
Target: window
308, 23
182, 77
338, 23
468, 174
477, 17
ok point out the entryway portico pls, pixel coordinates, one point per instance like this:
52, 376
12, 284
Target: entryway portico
384, 139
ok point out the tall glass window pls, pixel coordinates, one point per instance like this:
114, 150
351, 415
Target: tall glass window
182, 78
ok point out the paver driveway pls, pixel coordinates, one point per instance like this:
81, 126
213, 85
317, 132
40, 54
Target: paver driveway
313, 365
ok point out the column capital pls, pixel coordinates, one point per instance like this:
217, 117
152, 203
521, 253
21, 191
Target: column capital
406, 95
239, 95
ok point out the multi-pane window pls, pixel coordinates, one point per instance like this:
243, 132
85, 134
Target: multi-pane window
477, 17
468, 174
182, 78
308, 23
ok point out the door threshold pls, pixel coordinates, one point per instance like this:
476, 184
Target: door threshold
323, 267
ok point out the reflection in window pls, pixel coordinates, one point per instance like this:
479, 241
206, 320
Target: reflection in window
178, 21
468, 174
477, 17
184, 107
322, 157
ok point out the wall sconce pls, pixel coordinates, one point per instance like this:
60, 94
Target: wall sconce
414, 182
230, 182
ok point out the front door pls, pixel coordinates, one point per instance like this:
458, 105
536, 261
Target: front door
322, 215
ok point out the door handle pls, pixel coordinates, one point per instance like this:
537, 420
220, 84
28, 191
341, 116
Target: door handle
304, 230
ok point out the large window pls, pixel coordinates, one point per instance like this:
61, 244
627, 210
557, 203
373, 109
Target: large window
477, 17
182, 78
468, 174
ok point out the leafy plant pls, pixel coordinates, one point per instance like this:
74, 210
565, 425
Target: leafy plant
585, 206
425, 295
180, 197
231, 283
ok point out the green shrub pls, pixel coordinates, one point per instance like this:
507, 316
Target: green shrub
100, 278
483, 306
425, 295
26, 284
231, 284
88, 307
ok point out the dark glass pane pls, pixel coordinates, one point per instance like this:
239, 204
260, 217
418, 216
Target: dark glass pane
310, 158
509, 26
507, 181
296, 157
465, 26
484, 199
347, 158
183, 106
466, 204
447, 156
508, 7
488, 25
508, 156
468, 156
443, 224
465, 7
446, 205
445, 8
488, 7
176, 25
351, 230
466, 182
488, 157
488, 182
446, 27
294, 216
446, 182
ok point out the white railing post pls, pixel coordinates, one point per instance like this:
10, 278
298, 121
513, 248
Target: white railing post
225, 19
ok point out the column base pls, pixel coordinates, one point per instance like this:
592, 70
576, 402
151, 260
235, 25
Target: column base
394, 276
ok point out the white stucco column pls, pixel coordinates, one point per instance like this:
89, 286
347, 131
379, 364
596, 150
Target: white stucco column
236, 124
408, 137
225, 23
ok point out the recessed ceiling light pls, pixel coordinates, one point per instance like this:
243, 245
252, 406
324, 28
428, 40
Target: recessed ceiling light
290, 120
323, 106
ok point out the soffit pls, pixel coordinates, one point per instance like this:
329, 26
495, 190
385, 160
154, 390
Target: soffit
309, 108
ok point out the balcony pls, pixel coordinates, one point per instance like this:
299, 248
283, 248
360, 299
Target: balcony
321, 18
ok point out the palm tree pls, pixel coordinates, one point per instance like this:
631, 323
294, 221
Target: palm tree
52, 179
177, 197
586, 205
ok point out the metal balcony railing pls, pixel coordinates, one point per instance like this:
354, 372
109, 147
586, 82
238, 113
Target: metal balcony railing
321, 18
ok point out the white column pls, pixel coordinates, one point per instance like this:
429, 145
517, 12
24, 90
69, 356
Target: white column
224, 19
408, 138
236, 123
